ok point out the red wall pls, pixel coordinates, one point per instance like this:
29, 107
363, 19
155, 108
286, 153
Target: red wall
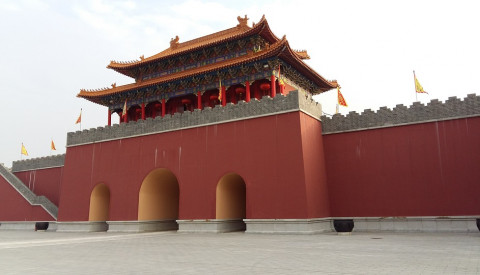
266, 152
314, 167
429, 169
14, 207
43, 182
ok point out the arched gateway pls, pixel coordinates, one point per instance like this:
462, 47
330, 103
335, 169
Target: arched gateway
158, 197
99, 203
231, 200
99, 210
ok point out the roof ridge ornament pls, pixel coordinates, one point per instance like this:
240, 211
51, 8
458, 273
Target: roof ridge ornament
303, 54
242, 22
96, 90
174, 42
113, 62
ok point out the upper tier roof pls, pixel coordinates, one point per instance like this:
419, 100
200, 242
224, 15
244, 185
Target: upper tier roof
176, 48
281, 48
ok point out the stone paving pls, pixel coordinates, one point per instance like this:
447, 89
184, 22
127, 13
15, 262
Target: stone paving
28, 252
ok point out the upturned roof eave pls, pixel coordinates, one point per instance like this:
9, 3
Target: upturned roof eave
300, 65
272, 51
281, 49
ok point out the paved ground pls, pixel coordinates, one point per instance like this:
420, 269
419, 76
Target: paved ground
23, 252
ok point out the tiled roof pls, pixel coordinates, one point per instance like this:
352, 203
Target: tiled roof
176, 48
302, 54
280, 48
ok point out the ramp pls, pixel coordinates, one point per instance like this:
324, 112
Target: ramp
33, 199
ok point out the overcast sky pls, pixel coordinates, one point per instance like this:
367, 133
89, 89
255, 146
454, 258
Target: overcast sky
51, 49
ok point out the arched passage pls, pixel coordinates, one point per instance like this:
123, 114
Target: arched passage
159, 196
99, 203
231, 197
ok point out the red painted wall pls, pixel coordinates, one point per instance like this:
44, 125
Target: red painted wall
429, 169
314, 167
13, 207
43, 182
266, 152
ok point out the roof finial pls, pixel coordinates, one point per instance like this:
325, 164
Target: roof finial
174, 42
242, 22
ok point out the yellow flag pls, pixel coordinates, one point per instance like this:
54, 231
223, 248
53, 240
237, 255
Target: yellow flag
418, 87
341, 100
220, 91
79, 119
124, 111
280, 80
52, 146
24, 151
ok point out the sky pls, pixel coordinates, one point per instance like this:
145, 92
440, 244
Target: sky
50, 49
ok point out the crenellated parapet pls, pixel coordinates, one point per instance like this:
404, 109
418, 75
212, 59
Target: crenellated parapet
435, 110
38, 163
267, 106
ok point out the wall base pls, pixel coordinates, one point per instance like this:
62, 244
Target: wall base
415, 224
81, 226
52, 225
17, 226
210, 226
289, 226
142, 226
460, 224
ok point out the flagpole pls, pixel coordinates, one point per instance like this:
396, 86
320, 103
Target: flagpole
415, 85
80, 119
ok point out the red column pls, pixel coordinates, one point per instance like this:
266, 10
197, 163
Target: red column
224, 98
199, 100
143, 111
125, 117
247, 91
163, 107
109, 117
272, 84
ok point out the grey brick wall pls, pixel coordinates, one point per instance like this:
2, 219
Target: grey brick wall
400, 115
38, 163
294, 101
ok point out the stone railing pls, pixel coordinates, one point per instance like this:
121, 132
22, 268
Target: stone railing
267, 106
401, 115
33, 199
38, 163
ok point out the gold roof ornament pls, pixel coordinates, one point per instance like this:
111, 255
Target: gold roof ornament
242, 22
174, 42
